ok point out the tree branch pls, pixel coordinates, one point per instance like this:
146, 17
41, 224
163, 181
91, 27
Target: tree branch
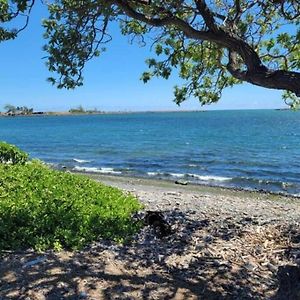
159, 22
273, 79
207, 15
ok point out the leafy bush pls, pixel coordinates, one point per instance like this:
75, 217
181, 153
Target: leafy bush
43, 208
12, 154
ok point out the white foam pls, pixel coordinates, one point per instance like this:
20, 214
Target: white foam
178, 175
199, 177
210, 178
97, 170
153, 173
107, 170
81, 161
86, 169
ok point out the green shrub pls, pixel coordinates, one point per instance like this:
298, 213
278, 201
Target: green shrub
43, 208
12, 154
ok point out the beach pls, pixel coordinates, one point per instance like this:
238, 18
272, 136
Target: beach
224, 244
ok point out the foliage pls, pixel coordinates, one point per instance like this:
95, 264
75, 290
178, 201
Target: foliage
44, 208
213, 44
24, 110
10, 108
19, 110
10, 154
77, 110
9, 10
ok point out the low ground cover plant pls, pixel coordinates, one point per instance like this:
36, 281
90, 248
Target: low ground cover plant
44, 208
12, 154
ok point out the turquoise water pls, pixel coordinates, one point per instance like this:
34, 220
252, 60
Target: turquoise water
256, 149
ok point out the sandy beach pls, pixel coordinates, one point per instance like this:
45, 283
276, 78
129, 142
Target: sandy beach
225, 244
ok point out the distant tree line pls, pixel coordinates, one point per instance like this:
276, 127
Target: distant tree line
81, 110
17, 110
11, 110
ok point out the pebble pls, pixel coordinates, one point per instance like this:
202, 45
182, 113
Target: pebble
208, 238
250, 266
36, 261
271, 267
83, 295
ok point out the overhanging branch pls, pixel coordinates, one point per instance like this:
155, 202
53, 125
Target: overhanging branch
166, 21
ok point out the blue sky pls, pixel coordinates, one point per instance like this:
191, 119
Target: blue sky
111, 81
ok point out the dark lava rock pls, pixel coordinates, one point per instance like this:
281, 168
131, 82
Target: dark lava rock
289, 283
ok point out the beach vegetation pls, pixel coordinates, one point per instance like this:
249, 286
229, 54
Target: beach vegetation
42, 208
212, 44
10, 154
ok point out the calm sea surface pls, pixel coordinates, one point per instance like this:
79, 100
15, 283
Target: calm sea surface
256, 149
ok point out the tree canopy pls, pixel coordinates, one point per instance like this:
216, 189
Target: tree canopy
213, 44
19, 110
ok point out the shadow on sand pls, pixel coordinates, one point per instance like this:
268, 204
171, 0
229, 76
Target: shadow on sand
184, 265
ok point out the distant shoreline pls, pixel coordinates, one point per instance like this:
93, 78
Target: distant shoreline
66, 113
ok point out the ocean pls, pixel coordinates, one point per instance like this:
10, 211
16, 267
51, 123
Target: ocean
249, 149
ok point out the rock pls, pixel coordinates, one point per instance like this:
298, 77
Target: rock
172, 193
208, 239
271, 267
289, 282
33, 295
250, 266
83, 295
204, 223
222, 269
181, 182
36, 261
157, 221
63, 287
92, 286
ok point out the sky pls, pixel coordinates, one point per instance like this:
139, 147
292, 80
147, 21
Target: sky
112, 81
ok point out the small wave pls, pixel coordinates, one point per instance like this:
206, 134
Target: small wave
199, 177
178, 175
108, 170
264, 181
81, 161
153, 173
287, 184
210, 178
85, 169
96, 170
